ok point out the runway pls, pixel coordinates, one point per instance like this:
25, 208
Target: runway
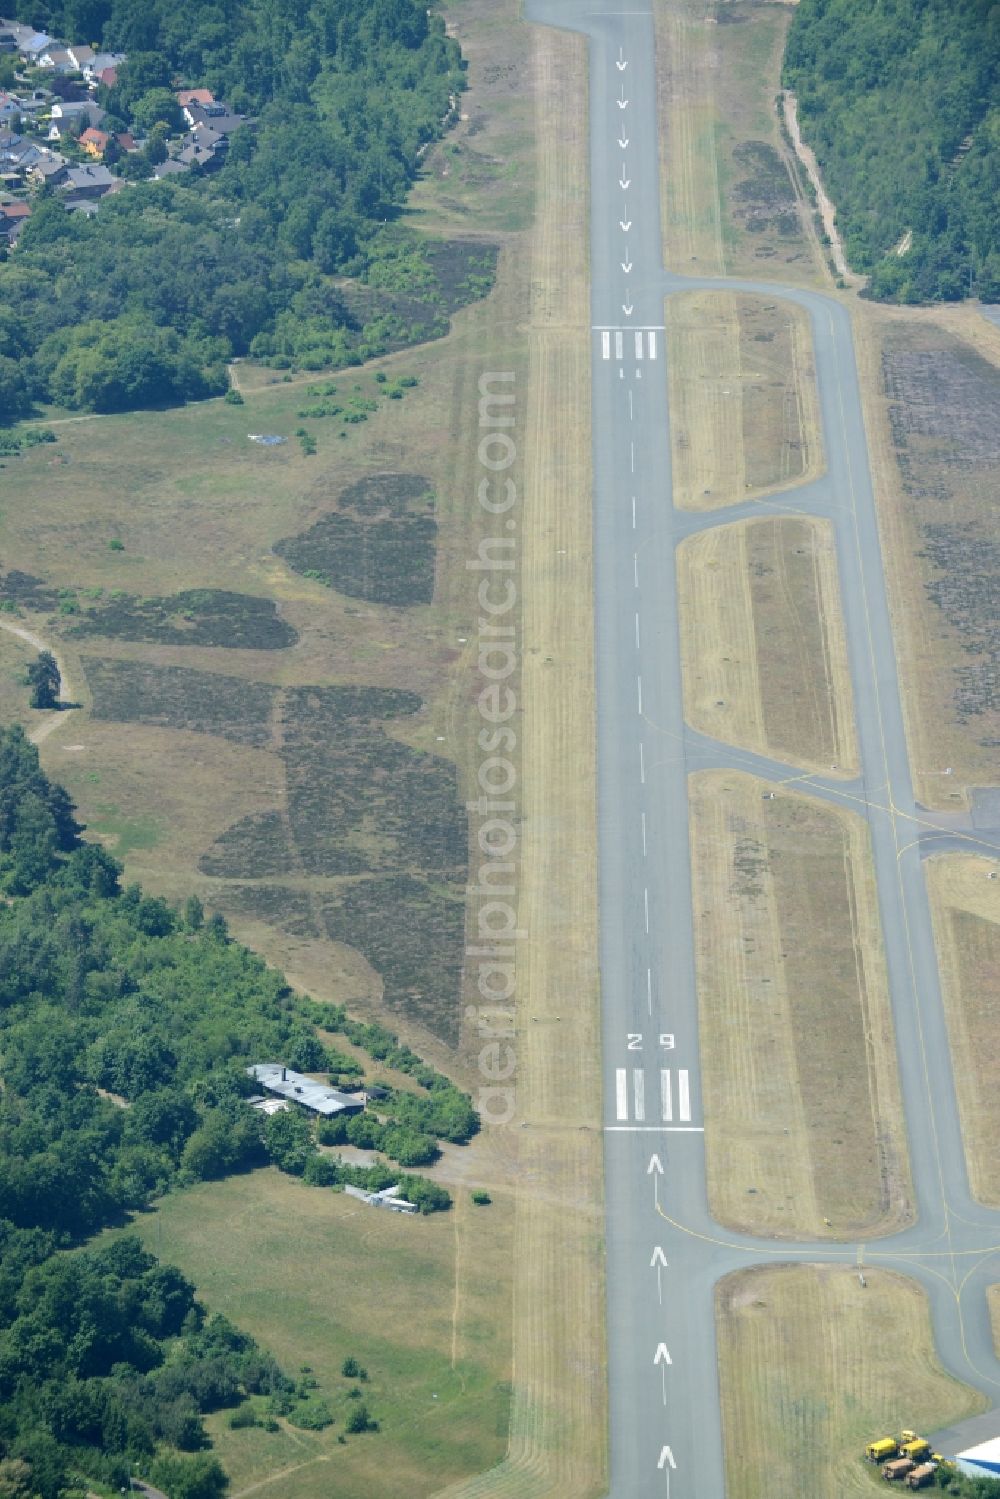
664, 1253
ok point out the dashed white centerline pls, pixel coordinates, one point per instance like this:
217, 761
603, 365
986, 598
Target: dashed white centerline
631, 452
637, 631
649, 990
633, 525
635, 568
639, 685
645, 902
642, 765
643, 835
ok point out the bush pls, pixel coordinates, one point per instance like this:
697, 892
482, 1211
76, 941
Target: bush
360, 1420
242, 1417
349, 1368
311, 1415
114, 545
233, 398
481, 1199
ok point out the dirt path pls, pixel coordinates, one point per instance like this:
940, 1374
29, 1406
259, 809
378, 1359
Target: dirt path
49, 725
827, 211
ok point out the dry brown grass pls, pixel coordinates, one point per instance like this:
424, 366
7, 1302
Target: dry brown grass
765, 659
743, 401
804, 1125
812, 1367
936, 475
730, 197
965, 901
558, 1428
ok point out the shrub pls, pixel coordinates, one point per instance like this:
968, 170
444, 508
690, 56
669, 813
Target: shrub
349, 1368
233, 398
242, 1417
360, 1420
481, 1199
114, 545
312, 1415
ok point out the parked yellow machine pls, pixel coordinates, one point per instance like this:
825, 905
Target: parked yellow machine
882, 1450
916, 1449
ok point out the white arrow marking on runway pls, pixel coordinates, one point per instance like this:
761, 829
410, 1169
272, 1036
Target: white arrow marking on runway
666, 1456
628, 309
626, 264
623, 143
622, 102
662, 1355
621, 64
626, 225
623, 181
659, 1261
654, 1166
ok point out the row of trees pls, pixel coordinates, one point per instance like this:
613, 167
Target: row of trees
901, 102
145, 302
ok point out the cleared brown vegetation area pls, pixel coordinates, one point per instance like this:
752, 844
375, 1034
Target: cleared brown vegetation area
765, 659
932, 381
804, 1128
965, 902
743, 402
730, 196
812, 1367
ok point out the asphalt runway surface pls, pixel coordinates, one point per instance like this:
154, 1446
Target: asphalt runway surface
665, 1254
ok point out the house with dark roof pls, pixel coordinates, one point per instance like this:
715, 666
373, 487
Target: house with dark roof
87, 182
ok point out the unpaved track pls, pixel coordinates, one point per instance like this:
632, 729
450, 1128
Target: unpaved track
663, 1383
58, 716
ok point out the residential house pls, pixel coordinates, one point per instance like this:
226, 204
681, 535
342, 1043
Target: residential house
50, 170
8, 42
68, 118
216, 117
81, 57
17, 155
103, 62
203, 148
106, 78
32, 46
95, 142
13, 217
87, 182
189, 96
170, 168
57, 60
19, 32
11, 109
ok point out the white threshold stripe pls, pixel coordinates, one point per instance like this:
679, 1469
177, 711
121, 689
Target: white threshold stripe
683, 1096
621, 1093
665, 1096
639, 1087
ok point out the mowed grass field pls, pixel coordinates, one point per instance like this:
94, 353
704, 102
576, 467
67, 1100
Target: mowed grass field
743, 401
315, 1276
812, 1367
803, 1118
730, 198
965, 903
764, 653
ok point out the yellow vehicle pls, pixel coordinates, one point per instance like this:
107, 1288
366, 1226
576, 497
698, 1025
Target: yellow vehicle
916, 1449
882, 1450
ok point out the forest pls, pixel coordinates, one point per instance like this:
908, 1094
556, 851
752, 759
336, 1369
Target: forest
126, 1028
145, 302
901, 102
